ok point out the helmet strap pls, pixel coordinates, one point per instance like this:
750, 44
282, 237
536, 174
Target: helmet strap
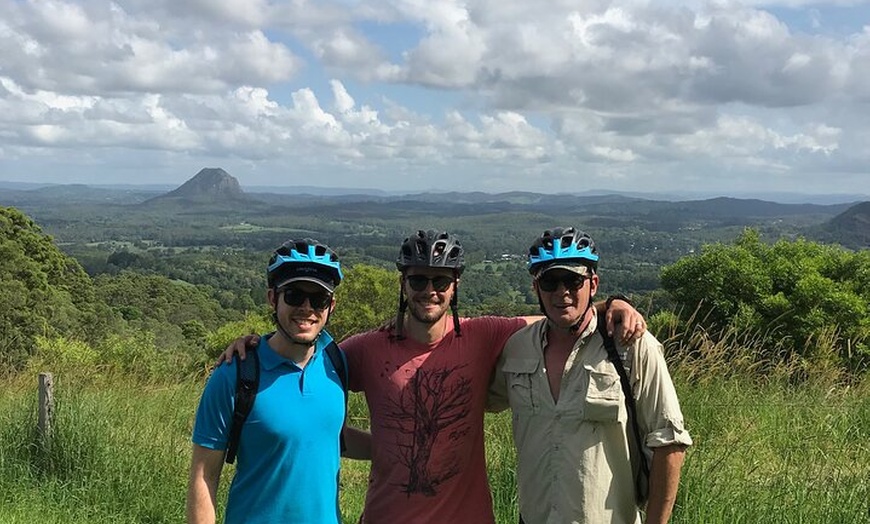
287, 335
454, 306
400, 316
576, 327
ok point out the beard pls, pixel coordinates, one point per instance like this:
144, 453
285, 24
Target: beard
304, 340
429, 315
295, 335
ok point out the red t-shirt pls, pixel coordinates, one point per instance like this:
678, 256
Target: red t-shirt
426, 404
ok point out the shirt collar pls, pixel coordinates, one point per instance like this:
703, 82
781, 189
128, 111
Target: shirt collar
269, 359
586, 333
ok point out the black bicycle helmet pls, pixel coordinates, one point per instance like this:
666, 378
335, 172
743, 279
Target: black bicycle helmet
562, 245
431, 249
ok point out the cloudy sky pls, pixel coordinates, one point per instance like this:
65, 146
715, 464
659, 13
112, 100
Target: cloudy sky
491, 95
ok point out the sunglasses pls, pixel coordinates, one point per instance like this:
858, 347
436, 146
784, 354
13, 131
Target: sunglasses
318, 300
420, 282
571, 282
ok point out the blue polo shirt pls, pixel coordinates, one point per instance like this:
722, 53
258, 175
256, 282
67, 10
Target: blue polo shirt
288, 460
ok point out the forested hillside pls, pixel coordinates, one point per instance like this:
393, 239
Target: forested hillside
186, 283
182, 264
44, 291
52, 309
212, 232
850, 228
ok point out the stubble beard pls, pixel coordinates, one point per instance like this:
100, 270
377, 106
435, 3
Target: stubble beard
305, 340
301, 339
426, 317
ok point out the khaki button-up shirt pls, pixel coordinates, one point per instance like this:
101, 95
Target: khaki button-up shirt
573, 456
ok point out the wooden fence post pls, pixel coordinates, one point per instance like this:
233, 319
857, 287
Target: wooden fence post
46, 408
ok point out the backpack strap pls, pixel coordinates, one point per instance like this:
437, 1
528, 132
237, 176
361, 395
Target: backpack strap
338, 362
247, 384
641, 482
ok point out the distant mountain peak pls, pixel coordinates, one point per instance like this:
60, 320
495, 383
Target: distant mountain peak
212, 185
851, 228
209, 183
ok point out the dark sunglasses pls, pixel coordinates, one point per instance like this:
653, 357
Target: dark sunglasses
420, 282
318, 300
571, 282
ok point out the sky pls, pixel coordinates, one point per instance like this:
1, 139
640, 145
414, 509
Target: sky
724, 97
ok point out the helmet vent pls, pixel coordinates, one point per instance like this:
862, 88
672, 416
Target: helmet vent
562, 244
438, 249
431, 249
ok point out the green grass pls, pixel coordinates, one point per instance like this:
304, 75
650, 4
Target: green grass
775, 455
117, 455
764, 452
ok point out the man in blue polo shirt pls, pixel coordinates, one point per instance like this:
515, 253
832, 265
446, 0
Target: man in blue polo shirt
288, 454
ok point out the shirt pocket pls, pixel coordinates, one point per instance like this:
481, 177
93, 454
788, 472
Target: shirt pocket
519, 375
603, 402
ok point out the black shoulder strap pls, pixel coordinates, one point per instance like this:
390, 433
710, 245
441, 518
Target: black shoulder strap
642, 481
335, 356
247, 384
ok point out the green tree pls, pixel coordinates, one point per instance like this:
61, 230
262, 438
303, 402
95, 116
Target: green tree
142, 298
365, 299
253, 323
799, 289
42, 291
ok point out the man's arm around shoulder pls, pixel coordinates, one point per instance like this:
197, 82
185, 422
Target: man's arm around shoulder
205, 474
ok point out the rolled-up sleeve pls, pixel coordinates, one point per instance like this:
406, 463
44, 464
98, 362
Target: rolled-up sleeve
657, 403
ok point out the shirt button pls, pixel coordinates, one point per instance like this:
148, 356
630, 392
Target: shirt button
558, 416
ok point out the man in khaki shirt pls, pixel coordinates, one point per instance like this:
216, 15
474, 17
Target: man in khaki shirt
570, 422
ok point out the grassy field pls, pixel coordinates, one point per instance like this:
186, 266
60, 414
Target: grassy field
764, 452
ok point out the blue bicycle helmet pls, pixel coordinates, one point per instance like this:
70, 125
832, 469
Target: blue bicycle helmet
304, 259
562, 245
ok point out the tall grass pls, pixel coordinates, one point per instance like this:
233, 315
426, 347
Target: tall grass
117, 454
780, 436
776, 441
776, 454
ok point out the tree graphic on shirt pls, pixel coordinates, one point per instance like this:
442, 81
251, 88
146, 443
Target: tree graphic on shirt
433, 401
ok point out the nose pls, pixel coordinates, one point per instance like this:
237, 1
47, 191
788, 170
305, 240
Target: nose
306, 304
561, 288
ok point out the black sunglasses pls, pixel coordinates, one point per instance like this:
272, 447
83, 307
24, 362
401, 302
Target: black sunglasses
420, 282
572, 283
318, 300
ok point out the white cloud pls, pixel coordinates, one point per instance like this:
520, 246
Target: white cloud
102, 49
492, 94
